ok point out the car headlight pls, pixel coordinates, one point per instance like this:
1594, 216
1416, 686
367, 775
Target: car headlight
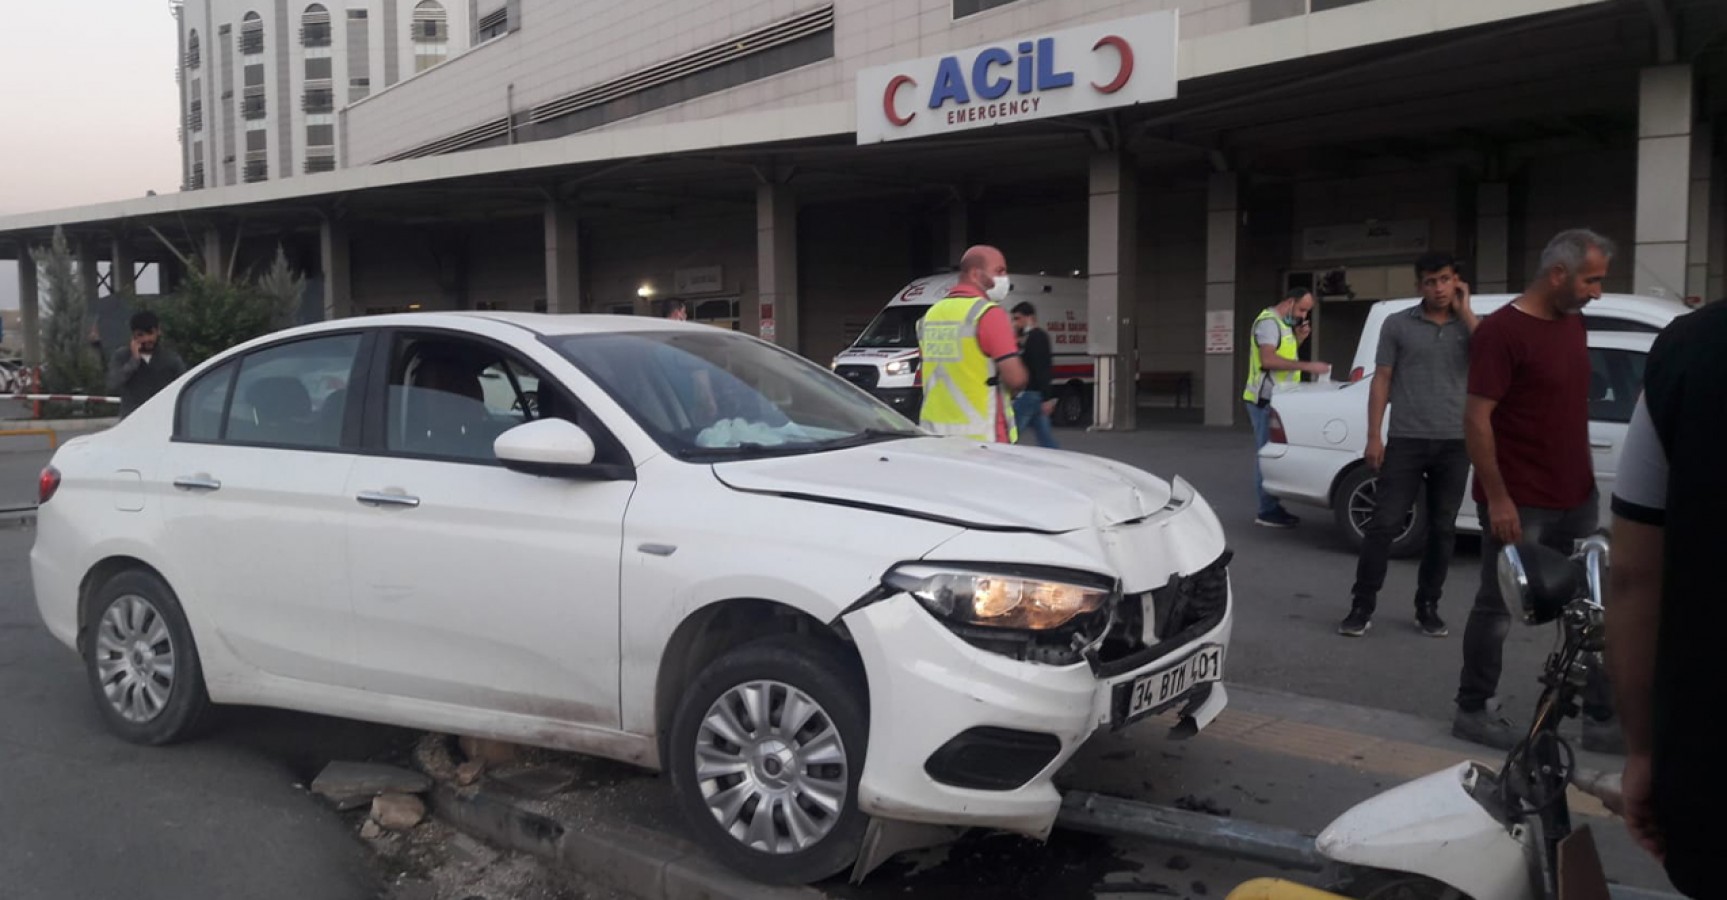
998, 600
902, 367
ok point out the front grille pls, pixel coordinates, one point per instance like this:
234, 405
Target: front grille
1185, 608
863, 376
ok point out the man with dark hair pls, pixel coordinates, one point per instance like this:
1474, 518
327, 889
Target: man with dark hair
1666, 616
1032, 406
138, 371
677, 310
1527, 426
1422, 372
1273, 359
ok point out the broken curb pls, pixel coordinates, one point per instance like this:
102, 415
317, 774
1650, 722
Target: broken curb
645, 864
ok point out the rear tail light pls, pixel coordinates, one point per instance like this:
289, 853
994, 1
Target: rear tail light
1278, 436
46, 484
1357, 374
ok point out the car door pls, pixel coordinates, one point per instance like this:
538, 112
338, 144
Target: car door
252, 492
474, 585
1616, 361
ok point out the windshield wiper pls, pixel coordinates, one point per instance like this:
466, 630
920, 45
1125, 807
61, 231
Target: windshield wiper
866, 436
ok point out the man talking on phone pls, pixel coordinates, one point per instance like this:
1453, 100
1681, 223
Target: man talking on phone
1278, 333
1422, 373
139, 370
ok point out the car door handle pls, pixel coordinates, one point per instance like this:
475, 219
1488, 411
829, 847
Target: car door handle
1601, 445
199, 482
384, 498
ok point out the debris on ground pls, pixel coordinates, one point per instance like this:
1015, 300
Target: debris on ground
351, 785
398, 812
492, 753
469, 772
538, 781
1204, 805
435, 755
1179, 863
436, 862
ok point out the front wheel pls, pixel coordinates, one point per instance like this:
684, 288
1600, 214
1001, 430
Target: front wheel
1356, 502
766, 748
142, 666
1378, 884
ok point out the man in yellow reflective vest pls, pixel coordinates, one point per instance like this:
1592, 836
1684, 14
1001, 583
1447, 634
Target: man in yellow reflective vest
971, 366
1278, 334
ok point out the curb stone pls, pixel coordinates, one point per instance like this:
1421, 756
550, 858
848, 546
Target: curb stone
646, 864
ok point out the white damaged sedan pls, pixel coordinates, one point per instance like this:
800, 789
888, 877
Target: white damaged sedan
661, 543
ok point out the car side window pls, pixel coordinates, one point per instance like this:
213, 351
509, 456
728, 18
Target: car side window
293, 395
202, 405
1615, 379
451, 398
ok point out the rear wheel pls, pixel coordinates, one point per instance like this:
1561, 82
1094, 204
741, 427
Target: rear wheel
142, 666
766, 748
1354, 506
1073, 405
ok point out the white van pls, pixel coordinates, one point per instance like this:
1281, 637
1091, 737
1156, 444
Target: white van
884, 359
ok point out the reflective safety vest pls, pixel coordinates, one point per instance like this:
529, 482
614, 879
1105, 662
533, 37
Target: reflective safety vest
961, 393
1260, 378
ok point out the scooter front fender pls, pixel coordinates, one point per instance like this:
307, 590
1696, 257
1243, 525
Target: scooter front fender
1434, 826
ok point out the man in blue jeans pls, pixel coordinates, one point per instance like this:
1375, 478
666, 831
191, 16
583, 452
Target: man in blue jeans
1032, 407
1272, 360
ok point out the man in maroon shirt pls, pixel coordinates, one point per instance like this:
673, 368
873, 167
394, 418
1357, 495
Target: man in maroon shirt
1527, 426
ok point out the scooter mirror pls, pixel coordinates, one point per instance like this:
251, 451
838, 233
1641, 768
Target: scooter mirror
1540, 580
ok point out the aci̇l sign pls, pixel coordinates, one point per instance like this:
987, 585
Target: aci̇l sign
1076, 70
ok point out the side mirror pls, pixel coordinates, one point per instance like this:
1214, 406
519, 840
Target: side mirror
551, 447
1541, 581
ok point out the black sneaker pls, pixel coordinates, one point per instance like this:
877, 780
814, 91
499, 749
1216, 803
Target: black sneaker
1356, 623
1484, 726
1277, 518
1429, 622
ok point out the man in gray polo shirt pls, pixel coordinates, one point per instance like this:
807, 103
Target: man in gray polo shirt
1423, 374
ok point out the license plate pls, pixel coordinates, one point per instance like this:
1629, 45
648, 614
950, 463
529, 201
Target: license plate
1154, 690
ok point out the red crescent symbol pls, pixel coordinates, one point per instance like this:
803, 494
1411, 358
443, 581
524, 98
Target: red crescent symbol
1121, 46
887, 96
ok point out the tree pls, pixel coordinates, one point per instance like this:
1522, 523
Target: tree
69, 364
207, 315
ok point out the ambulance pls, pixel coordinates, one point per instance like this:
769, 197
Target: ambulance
884, 359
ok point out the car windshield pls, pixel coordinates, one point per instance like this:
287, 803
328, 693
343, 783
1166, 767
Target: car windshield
895, 328
711, 395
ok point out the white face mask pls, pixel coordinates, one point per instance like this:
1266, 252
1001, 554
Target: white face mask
998, 291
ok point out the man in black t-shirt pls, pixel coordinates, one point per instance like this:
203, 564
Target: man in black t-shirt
1031, 408
1667, 609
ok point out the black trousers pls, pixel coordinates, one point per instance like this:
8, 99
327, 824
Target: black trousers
1490, 619
1413, 465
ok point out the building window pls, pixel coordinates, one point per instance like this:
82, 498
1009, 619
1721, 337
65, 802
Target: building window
963, 8
321, 134
356, 14
315, 26
494, 24
252, 106
431, 34
318, 100
195, 116
251, 35
194, 51
197, 181
320, 68
257, 166
320, 163
359, 89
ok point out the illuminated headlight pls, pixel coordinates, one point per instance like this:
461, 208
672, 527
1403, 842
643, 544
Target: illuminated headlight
996, 600
902, 366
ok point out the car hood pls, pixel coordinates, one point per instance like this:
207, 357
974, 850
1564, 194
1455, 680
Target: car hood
986, 486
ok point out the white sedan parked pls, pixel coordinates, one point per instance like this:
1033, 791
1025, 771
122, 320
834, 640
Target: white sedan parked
689, 550
1319, 431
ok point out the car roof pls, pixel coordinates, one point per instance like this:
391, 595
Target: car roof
544, 324
1651, 310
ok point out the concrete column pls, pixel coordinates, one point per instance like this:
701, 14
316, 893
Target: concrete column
1663, 181
333, 258
1222, 250
1112, 288
214, 255
958, 230
777, 263
121, 267
29, 306
1492, 238
563, 259
1703, 176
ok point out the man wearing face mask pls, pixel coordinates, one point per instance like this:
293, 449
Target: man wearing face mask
138, 371
971, 362
1278, 334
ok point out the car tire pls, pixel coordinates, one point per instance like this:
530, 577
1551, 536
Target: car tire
141, 663
1352, 506
1073, 406
769, 766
